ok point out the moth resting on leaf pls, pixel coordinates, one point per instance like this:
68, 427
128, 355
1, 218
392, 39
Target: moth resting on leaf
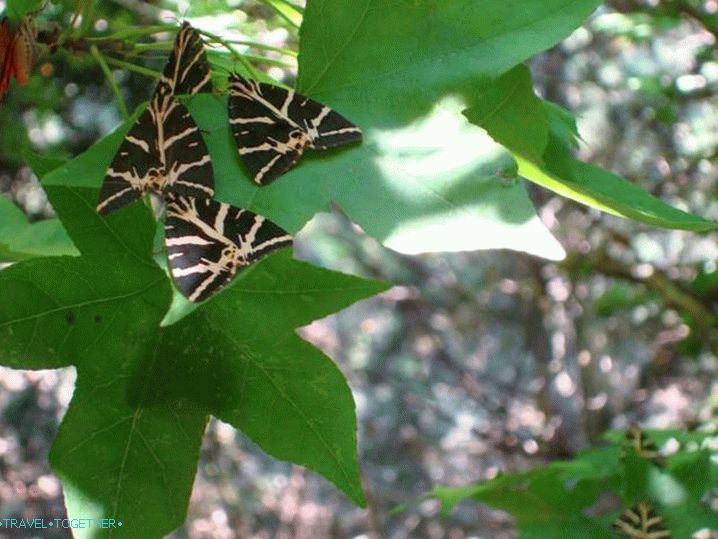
273, 126
164, 150
208, 242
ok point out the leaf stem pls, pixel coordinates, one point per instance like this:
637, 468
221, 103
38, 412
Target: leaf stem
131, 31
270, 61
156, 46
97, 55
262, 46
133, 67
237, 55
279, 11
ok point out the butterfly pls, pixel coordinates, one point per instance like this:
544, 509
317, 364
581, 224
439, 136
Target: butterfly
164, 150
17, 52
641, 522
273, 126
209, 242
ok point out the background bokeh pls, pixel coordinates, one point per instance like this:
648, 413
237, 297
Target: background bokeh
476, 363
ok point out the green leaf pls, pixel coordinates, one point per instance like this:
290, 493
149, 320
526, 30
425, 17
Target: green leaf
128, 445
42, 164
408, 54
548, 500
520, 125
423, 179
401, 71
513, 115
17, 9
539, 501
21, 240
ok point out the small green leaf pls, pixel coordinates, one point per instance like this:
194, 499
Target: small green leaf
17, 9
523, 134
572, 495
513, 115
538, 500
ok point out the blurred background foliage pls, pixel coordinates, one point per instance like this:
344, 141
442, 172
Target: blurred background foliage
479, 363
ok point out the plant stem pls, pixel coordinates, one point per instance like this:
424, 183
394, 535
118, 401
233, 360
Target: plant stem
269, 61
132, 67
128, 32
262, 46
111, 80
271, 4
237, 56
296, 8
156, 46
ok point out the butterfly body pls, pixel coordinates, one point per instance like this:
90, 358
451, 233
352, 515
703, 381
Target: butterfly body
273, 126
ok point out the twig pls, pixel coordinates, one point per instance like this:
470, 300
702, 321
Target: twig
262, 46
132, 67
278, 11
237, 55
111, 80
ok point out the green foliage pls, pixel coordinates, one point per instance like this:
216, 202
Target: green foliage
621, 296
130, 440
17, 9
20, 240
424, 179
511, 110
586, 495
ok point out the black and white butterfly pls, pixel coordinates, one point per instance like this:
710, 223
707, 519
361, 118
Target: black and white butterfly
641, 522
272, 127
209, 242
164, 150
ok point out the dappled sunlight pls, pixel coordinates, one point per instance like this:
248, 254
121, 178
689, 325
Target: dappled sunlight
459, 188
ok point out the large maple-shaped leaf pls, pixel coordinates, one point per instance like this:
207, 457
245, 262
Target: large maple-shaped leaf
128, 446
424, 179
509, 110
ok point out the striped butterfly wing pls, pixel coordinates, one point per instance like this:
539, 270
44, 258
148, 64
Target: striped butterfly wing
641, 522
186, 158
209, 242
164, 150
187, 70
136, 166
272, 127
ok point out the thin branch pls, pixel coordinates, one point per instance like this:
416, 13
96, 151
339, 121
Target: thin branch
235, 54
280, 12
111, 80
134, 31
269, 61
262, 46
133, 67
298, 9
